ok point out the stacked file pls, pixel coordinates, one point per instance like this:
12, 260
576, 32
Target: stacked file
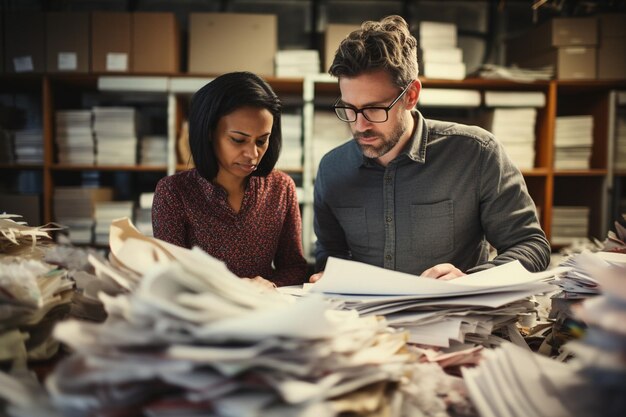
143, 214
153, 150
74, 137
511, 381
434, 312
107, 211
6, 147
297, 63
29, 146
620, 141
441, 57
515, 129
74, 207
291, 152
192, 338
449, 97
328, 133
116, 137
569, 224
573, 139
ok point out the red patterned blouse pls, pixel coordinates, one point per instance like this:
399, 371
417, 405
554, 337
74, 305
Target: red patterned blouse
190, 211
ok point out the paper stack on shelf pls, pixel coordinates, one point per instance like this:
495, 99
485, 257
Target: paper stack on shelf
107, 211
143, 214
515, 129
297, 62
448, 97
153, 150
29, 146
74, 137
573, 139
291, 151
74, 207
440, 55
328, 133
620, 140
569, 224
116, 137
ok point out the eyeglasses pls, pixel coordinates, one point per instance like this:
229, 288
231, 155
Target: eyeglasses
374, 114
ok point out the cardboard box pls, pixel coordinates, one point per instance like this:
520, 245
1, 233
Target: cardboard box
67, 42
335, 33
612, 59
571, 63
155, 43
26, 205
225, 42
24, 42
111, 42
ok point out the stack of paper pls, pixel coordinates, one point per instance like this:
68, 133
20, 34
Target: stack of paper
291, 151
515, 128
143, 214
328, 133
441, 57
29, 146
620, 140
74, 137
116, 137
573, 138
153, 150
74, 207
297, 62
569, 224
436, 312
449, 97
107, 211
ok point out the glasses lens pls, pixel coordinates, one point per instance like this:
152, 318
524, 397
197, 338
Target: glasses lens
375, 115
345, 114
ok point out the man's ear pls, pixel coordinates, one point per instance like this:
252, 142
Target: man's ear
413, 94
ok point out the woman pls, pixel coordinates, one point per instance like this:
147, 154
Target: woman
233, 204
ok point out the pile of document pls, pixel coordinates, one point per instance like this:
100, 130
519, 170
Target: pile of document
153, 150
497, 72
512, 382
616, 240
440, 55
143, 214
436, 312
74, 137
328, 133
297, 62
28, 146
104, 214
291, 151
74, 207
192, 338
116, 136
569, 224
573, 139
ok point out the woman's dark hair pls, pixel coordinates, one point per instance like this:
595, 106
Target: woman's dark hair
221, 97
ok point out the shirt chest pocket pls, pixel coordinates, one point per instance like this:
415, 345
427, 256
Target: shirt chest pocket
432, 228
354, 224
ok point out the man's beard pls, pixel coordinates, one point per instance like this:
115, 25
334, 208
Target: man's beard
388, 142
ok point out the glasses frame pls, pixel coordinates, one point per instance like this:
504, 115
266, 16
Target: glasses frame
362, 110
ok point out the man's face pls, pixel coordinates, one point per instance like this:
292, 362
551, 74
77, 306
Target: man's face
375, 89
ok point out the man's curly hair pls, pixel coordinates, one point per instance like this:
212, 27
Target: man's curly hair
386, 45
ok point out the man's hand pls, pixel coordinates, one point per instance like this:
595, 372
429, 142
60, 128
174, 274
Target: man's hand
262, 282
445, 272
316, 277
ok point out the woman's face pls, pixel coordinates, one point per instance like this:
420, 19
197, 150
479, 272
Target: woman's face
241, 140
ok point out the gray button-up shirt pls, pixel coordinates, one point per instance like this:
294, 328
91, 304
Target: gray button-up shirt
450, 192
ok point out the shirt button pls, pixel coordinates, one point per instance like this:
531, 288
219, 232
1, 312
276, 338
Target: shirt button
388, 257
388, 178
389, 219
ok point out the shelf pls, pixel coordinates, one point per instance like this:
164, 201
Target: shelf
20, 166
620, 172
535, 172
581, 173
139, 168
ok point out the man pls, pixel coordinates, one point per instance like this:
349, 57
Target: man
408, 192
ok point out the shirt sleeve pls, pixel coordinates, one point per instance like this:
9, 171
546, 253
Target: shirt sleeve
289, 262
168, 220
331, 239
508, 214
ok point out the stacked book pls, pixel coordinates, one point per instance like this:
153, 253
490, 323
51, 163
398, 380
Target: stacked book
143, 214
153, 150
116, 137
291, 153
74, 137
512, 121
74, 207
328, 133
297, 63
573, 140
569, 224
29, 146
105, 213
440, 55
